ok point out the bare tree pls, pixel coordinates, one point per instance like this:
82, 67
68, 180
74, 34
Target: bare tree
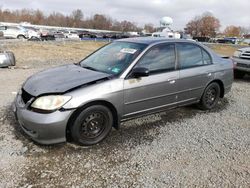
100, 21
77, 17
244, 31
205, 25
128, 26
149, 28
232, 31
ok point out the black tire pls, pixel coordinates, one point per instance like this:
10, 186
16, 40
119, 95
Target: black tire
92, 125
21, 37
210, 96
238, 74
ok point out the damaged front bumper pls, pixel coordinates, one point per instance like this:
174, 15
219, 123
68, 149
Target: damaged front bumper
42, 128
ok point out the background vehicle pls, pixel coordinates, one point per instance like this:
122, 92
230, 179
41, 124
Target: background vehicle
122, 80
241, 59
83, 33
228, 40
47, 34
71, 34
32, 32
14, 32
59, 35
201, 39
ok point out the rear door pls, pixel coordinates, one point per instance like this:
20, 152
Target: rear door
158, 90
11, 32
196, 71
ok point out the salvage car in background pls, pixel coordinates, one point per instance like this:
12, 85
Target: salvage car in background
122, 80
32, 32
71, 34
14, 32
241, 60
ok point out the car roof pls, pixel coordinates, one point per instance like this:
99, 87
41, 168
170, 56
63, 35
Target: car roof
152, 40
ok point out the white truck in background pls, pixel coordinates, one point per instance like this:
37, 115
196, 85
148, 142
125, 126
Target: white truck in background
167, 33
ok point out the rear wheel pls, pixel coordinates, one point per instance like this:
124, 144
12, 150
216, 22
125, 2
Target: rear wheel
210, 96
92, 125
238, 74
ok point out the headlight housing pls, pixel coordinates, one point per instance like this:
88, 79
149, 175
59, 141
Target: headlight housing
237, 53
50, 102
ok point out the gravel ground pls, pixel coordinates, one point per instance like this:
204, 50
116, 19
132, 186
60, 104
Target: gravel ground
184, 147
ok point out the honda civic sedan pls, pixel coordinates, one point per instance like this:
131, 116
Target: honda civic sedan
122, 80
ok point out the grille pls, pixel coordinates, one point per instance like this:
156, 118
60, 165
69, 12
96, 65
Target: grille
26, 96
245, 55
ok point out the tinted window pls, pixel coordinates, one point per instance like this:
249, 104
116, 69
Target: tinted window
2, 28
206, 58
189, 55
159, 59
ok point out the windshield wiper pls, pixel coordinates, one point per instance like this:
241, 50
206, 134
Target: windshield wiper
90, 68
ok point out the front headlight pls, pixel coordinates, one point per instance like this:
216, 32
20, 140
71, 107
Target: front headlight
237, 53
50, 102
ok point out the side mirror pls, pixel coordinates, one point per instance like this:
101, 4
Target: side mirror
140, 72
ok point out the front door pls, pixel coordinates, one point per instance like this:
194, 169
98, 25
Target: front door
158, 90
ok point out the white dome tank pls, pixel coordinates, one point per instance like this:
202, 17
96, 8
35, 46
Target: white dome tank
166, 21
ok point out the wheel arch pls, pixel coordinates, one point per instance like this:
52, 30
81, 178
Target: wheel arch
110, 106
221, 84
20, 35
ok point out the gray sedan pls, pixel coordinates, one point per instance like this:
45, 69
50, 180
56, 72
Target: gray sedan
122, 80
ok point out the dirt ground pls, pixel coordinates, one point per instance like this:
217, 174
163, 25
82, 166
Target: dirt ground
185, 147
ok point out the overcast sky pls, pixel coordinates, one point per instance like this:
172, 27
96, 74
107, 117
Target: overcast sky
229, 12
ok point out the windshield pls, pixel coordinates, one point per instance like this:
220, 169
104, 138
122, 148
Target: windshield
113, 58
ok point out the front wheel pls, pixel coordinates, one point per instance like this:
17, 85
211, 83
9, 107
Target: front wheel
210, 96
92, 125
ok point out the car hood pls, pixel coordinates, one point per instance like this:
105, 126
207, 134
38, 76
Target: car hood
61, 79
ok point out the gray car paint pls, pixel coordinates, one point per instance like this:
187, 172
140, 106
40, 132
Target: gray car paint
132, 97
61, 79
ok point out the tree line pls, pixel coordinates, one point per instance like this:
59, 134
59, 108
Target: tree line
75, 19
205, 25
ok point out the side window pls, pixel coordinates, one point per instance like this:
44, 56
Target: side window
189, 55
2, 28
206, 58
160, 58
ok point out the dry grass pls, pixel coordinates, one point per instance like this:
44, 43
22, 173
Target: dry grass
223, 49
37, 52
